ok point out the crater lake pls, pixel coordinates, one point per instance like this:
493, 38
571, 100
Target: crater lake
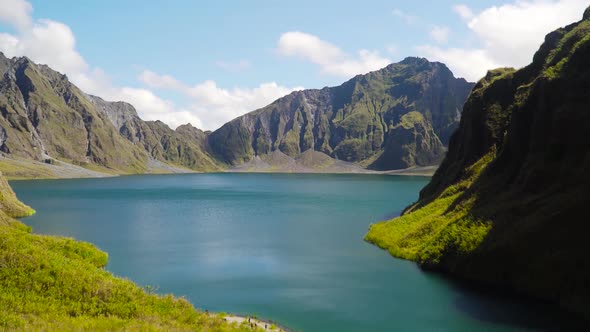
284, 247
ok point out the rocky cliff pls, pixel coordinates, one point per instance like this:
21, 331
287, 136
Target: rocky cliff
397, 117
508, 204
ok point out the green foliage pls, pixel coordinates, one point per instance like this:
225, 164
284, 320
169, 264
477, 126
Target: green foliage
57, 283
9, 204
290, 143
442, 226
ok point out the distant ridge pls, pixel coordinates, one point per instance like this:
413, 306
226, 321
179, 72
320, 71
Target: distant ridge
395, 118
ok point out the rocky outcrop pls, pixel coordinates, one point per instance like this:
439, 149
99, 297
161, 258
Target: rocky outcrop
185, 147
369, 120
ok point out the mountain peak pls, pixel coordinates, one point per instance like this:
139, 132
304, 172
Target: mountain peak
412, 60
587, 13
356, 121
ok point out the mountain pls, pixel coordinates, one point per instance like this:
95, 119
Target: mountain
44, 117
393, 118
508, 205
186, 146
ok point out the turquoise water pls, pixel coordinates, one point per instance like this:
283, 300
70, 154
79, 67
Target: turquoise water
284, 247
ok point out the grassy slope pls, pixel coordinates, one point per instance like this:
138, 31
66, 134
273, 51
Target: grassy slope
55, 283
425, 234
506, 206
20, 170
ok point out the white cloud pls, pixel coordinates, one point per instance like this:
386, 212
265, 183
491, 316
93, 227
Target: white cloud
407, 18
53, 43
509, 34
237, 66
462, 10
154, 80
329, 57
47, 42
440, 34
469, 63
16, 13
216, 104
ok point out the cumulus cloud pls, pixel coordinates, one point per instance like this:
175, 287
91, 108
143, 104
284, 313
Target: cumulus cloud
508, 35
440, 34
53, 43
331, 59
218, 104
17, 13
469, 63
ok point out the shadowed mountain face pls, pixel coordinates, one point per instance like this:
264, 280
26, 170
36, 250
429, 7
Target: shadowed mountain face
508, 205
397, 117
45, 117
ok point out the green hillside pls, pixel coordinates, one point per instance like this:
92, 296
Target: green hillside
508, 204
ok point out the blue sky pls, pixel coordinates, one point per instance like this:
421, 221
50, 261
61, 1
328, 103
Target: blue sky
186, 39
206, 62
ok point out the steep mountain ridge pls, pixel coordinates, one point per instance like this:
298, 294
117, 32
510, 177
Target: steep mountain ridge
44, 117
396, 117
508, 205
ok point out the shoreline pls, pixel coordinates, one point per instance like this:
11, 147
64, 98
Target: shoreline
265, 324
28, 170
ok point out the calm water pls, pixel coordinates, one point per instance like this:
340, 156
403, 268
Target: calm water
285, 247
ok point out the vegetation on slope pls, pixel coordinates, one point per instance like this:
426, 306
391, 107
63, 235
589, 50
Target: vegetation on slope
508, 205
401, 116
394, 118
443, 225
44, 117
55, 283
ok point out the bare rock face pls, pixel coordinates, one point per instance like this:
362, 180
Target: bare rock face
356, 121
119, 113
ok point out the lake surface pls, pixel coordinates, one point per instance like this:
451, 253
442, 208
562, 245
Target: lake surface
284, 247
